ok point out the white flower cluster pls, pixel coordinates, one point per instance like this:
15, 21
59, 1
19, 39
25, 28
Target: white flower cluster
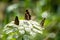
12, 7
45, 14
25, 26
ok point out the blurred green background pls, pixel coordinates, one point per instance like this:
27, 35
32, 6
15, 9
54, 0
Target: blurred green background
11, 8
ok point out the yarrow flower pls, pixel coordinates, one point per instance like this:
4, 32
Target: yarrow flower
25, 27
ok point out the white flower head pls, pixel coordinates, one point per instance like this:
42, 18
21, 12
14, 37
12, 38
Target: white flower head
12, 7
45, 14
22, 31
32, 33
28, 29
52, 35
9, 31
